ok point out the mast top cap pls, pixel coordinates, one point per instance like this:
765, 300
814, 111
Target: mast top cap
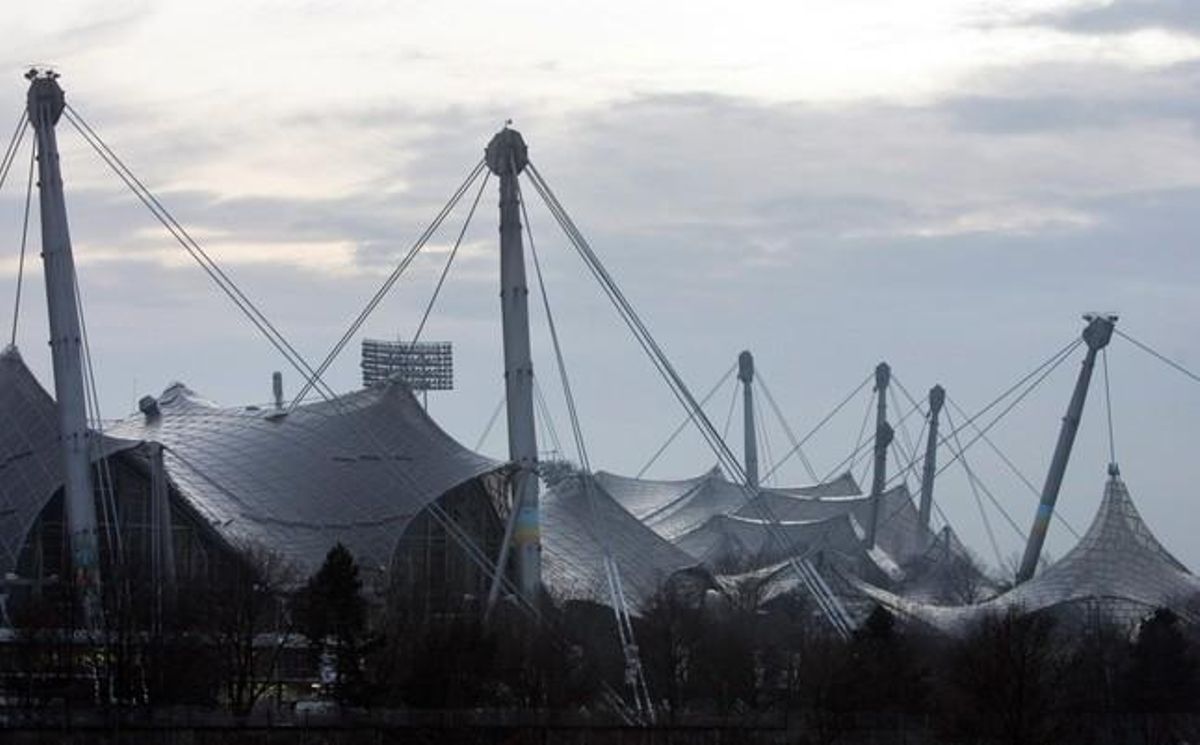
1099, 330
507, 152
745, 367
883, 375
45, 101
937, 397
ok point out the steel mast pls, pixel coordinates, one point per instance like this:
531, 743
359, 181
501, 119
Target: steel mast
45, 107
883, 439
507, 156
750, 454
937, 398
1096, 335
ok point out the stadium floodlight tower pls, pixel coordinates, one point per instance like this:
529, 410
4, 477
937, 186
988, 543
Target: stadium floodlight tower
937, 398
883, 439
1096, 335
506, 156
746, 376
45, 106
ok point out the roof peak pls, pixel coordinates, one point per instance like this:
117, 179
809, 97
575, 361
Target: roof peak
1119, 524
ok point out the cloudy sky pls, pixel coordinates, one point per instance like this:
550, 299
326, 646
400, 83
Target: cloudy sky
944, 184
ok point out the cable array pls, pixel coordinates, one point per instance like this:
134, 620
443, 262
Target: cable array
635, 676
827, 601
830, 605
687, 419
312, 377
24, 242
797, 446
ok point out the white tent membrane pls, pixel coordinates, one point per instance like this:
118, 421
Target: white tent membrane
576, 527
1118, 566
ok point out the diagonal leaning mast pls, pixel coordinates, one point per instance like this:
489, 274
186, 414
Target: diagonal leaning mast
45, 107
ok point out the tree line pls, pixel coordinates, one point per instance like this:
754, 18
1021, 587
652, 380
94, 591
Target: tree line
255, 635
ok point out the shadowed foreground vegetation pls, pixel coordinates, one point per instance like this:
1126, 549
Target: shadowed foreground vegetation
246, 648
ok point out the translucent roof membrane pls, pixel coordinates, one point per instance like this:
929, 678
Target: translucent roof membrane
673, 508
353, 470
31, 467
575, 530
1117, 564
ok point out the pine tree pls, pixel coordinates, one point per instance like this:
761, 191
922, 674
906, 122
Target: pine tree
332, 615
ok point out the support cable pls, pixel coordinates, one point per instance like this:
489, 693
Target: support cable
24, 243
313, 379
858, 441
903, 426
14, 145
391, 280
819, 589
1013, 467
999, 453
863, 449
911, 468
1037, 375
491, 422
974, 477
210, 267
834, 412
634, 672
96, 437
975, 485
1015, 402
1157, 355
904, 454
686, 421
1112, 442
760, 423
449, 261
787, 429
729, 414
547, 420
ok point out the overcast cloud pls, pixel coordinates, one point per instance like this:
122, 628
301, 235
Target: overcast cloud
945, 185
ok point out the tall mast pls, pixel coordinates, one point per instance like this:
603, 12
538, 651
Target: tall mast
937, 398
507, 156
883, 439
746, 375
1096, 335
45, 106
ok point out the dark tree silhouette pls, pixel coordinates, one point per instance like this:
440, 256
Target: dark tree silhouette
1160, 684
1002, 681
332, 614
